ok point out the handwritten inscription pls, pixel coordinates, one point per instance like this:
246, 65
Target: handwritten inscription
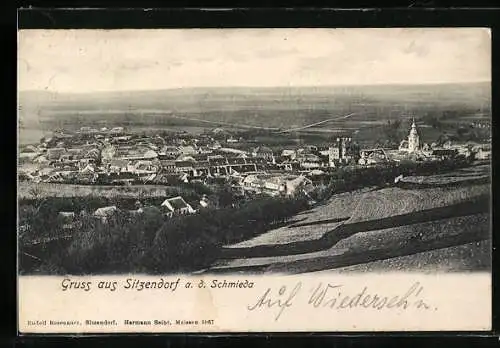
333, 296
283, 300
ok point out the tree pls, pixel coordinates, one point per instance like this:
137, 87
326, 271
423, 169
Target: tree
38, 200
353, 149
224, 196
461, 131
391, 134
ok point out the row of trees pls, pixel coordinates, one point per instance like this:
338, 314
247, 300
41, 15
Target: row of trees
346, 179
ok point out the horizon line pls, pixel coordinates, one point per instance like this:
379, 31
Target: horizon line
259, 87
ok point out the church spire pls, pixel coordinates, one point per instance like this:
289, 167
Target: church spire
413, 138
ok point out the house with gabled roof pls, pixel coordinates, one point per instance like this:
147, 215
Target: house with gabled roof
119, 165
204, 150
183, 166
122, 178
200, 157
201, 168
263, 152
289, 154
145, 167
92, 153
188, 150
105, 213
236, 161
55, 154
167, 166
117, 130
177, 206
168, 152
300, 183
183, 158
29, 152
135, 153
217, 160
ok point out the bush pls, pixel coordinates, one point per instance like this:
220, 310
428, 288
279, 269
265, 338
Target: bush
116, 246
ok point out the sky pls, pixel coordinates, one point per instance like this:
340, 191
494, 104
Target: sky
80, 61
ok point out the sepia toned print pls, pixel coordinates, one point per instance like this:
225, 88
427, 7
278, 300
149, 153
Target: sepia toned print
216, 180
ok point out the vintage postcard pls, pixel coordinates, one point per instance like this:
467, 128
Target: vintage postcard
254, 180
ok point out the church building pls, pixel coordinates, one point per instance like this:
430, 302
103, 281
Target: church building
411, 145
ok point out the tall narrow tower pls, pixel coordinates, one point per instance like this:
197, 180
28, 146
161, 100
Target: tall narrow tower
413, 138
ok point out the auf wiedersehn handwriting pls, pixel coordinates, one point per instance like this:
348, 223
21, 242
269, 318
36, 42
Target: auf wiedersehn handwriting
336, 297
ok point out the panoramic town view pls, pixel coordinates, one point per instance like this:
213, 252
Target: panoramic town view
204, 178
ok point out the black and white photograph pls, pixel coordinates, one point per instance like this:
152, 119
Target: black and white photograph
202, 151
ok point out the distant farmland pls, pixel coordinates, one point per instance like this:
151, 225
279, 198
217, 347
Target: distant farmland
260, 107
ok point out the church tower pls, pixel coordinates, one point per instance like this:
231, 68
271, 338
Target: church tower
413, 139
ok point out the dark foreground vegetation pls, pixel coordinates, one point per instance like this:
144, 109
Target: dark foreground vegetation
152, 243
148, 242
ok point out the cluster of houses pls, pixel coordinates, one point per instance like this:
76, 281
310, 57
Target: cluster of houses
92, 156
276, 185
481, 124
412, 149
116, 157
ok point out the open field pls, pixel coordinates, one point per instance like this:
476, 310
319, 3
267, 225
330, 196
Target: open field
412, 227
475, 256
363, 205
25, 190
463, 175
375, 246
394, 201
335, 210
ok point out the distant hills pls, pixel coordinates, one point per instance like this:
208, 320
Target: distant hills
277, 106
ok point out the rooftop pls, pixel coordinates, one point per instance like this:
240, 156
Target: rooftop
176, 203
